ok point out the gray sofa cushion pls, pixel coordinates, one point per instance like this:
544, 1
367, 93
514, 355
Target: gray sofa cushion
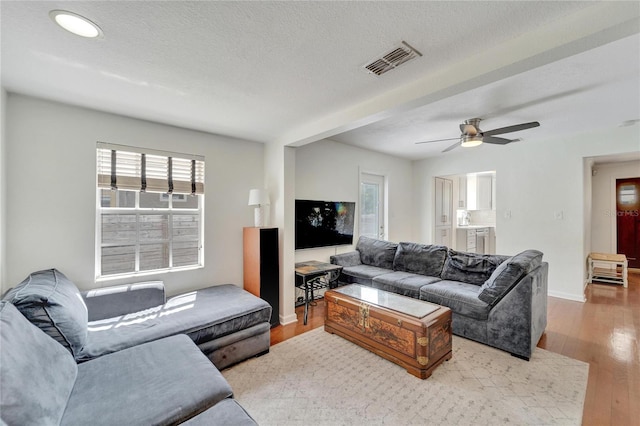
203, 315
470, 267
120, 300
225, 412
508, 274
461, 298
420, 259
404, 283
376, 252
157, 383
37, 373
351, 258
365, 272
53, 303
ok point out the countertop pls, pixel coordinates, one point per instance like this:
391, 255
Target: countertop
475, 226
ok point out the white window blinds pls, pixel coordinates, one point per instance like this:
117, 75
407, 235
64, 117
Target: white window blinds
123, 167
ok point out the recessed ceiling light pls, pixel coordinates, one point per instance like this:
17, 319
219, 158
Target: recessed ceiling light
76, 24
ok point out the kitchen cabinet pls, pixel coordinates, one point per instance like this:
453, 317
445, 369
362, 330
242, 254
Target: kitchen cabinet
462, 192
480, 192
492, 240
466, 240
443, 236
479, 239
443, 212
484, 193
443, 202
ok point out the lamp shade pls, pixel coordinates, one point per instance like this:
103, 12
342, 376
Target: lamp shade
258, 197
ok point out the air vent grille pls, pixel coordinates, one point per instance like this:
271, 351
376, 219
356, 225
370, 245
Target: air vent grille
393, 59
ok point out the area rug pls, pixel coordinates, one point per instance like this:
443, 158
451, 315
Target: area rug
322, 379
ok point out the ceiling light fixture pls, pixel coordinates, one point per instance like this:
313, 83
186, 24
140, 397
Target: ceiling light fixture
76, 24
468, 141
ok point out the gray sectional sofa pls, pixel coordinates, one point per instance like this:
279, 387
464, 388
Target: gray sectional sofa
124, 355
497, 300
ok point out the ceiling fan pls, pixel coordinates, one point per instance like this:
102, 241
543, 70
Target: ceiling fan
473, 136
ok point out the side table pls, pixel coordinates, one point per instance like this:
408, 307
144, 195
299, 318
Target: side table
313, 275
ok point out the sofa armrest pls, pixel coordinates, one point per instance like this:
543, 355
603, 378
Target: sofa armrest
113, 301
351, 258
518, 320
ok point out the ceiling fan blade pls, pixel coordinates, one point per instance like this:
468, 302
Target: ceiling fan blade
439, 140
498, 141
509, 129
455, 145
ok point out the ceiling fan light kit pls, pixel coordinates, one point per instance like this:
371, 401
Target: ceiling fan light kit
467, 141
472, 135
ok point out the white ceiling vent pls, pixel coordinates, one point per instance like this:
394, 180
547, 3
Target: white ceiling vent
392, 59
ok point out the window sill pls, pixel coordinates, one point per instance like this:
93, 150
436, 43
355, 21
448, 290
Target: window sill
107, 278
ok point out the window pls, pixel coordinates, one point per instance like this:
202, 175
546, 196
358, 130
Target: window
149, 211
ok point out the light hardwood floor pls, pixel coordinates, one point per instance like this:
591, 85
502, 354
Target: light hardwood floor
604, 332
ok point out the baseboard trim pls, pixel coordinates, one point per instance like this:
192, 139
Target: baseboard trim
568, 296
289, 319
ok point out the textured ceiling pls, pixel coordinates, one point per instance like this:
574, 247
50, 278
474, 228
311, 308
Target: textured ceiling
292, 71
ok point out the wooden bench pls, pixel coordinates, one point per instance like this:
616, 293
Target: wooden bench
608, 268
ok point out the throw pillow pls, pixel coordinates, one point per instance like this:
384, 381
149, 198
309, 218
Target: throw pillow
378, 253
420, 259
54, 304
37, 373
470, 268
508, 274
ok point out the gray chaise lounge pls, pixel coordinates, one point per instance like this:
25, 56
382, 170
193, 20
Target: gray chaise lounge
164, 382
130, 342
497, 300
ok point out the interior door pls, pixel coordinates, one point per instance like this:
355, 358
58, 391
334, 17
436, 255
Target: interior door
628, 219
372, 198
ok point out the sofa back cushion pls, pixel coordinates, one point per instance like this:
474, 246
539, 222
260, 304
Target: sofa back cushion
376, 252
508, 274
470, 268
54, 304
37, 373
420, 259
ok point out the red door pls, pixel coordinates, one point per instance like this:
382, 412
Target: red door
628, 219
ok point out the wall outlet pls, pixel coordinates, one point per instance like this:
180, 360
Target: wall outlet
507, 214
558, 215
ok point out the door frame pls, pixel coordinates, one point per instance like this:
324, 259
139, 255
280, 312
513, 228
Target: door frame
613, 219
613, 210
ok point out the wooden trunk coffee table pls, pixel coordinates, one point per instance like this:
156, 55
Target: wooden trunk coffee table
409, 332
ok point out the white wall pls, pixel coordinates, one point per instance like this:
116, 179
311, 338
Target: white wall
3, 189
329, 170
280, 165
51, 177
587, 207
603, 223
537, 179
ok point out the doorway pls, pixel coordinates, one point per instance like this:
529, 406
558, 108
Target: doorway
372, 202
628, 219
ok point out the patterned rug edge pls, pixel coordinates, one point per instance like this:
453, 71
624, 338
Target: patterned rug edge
319, 378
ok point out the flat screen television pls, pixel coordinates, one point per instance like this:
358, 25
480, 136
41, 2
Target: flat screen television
324, 223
